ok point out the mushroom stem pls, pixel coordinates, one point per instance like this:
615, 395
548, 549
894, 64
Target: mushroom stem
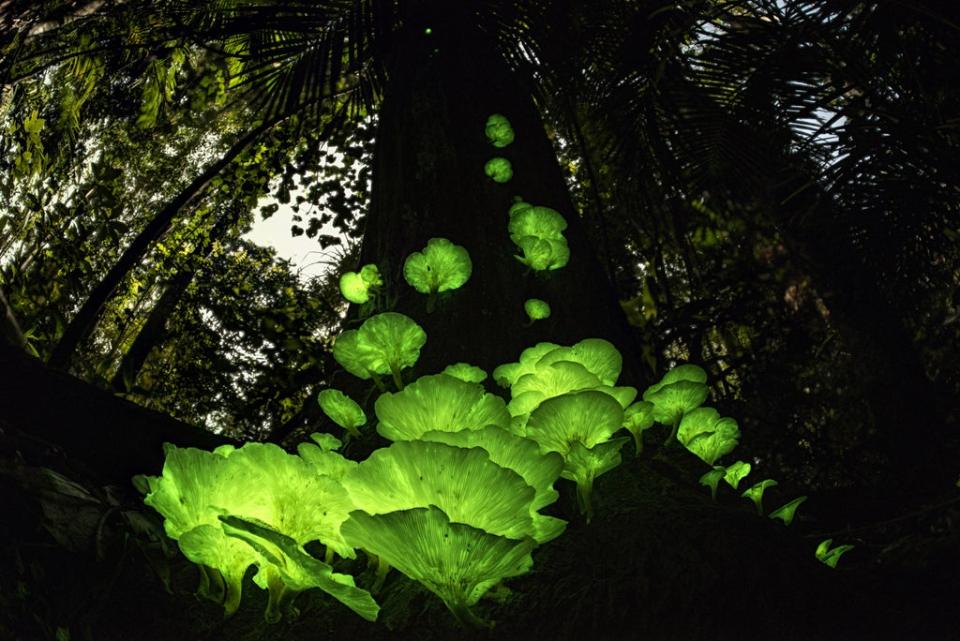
584, 493
431, 301
673, 430
383, 568
465, 616
638, 441
328, 555
395, 372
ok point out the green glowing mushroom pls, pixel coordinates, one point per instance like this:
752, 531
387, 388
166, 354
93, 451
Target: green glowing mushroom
438, 402
536, 309
257, 481
680, 390
385, 344
440, 267
464, 483
465, 372
498, 131
548, 381
289, 570
705, 433
573, 425
735, 473
498, 169
455, 561
543, 254
712, 478
787, 511
830, 556
357, 287
507, 374
323, 458
342, 410
637, 418
523, 456
533, 221
755, 493
597, 355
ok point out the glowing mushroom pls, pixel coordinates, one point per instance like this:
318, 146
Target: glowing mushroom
681, 389
708, 435
579, 427
438, 402
536, 309
465, 372
440, 267
498, 130
357, 287
342, 410
385, 344
498, 169
638, 418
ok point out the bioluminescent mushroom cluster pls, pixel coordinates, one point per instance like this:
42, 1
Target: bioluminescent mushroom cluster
455, 499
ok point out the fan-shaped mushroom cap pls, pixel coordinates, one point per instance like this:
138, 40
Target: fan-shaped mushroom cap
389, 340
672, 401
536, 309
440, 267
507, 374
638, 417
464, 483
599, 356
588, 418
787, 511
523, 456
341, 409
539, 222
583, 464
736, 472
706, 434
541, 254
498, 169
438, 402
347, 352
465, 372
498, 130
455, 561
686, 372
548, 381
355, 287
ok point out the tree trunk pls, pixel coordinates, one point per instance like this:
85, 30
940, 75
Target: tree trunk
86, 318
153, 331
429, 182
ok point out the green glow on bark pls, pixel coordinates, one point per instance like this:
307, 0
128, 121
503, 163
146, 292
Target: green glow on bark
456, 561
787, 511
755, 493
438, 402
440, 267
385, 344
498, 169
498, 130
465, 372
358, 287
706, 434
536, 309
342, 410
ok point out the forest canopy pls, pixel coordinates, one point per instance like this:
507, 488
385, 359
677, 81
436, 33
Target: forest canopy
764, 191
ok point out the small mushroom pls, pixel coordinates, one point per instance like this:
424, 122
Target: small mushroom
712, 478
498, 130
536, 309
498, 169
705, 433
465, 372
787, 511
755, 493
638, 418
342, 410
357, 287
440, 267
385, 344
